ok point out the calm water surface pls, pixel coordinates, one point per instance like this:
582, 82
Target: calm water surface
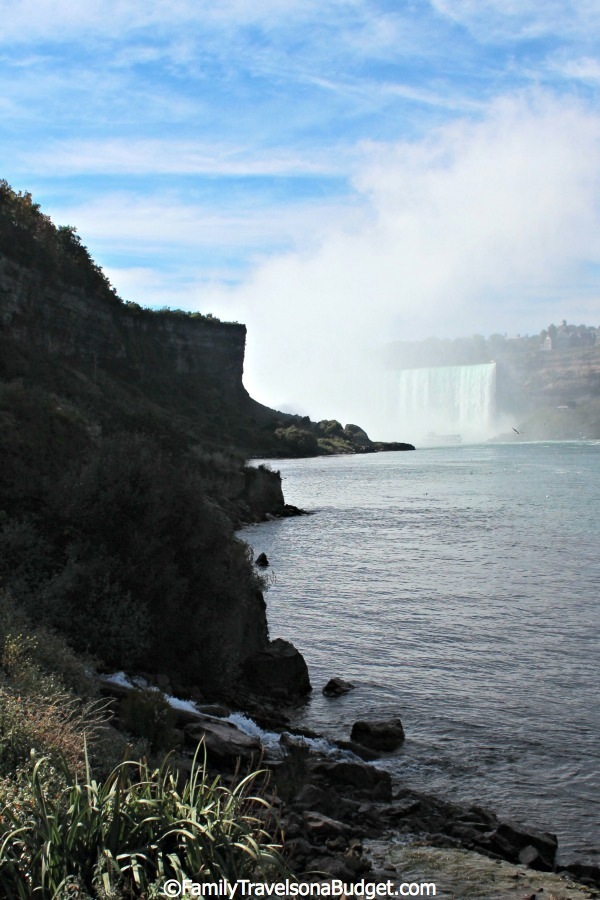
459, 589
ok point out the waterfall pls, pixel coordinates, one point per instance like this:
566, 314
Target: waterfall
448, 400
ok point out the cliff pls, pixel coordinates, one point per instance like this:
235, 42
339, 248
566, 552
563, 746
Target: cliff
122, 476
96, 330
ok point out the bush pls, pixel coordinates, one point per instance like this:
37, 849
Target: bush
125, 836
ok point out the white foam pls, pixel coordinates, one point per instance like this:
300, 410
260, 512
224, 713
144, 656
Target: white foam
186, 705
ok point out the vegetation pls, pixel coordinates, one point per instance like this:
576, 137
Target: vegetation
29, 236
126, 835
478, 349
78, 821
126, 554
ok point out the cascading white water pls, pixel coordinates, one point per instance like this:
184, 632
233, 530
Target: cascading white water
448, 400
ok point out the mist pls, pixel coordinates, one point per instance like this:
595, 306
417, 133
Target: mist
485, 225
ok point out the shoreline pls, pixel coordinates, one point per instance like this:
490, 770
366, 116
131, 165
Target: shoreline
331, 805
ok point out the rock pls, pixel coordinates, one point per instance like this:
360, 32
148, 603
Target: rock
585, 873
356, 775
332, 867
314, 798
529, 856
278, 670
224, 743
298, 849
321, 826
185, 717
364, 752
262, 561
385, 734
290, 510
335, 687
404, 808
511, 839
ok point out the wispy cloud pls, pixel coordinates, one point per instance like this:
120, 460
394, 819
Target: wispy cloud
160, 156
508, 20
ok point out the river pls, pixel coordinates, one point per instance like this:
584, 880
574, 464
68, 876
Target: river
459, 589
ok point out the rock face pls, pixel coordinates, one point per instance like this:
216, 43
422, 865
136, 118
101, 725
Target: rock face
386, 735
100, 332
278, 671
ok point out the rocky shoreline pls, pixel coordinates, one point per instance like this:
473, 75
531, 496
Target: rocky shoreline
333, 801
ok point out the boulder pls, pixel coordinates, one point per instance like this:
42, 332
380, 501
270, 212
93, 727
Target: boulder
279, 670
585, 873
262, 560
335, 687
355, 775
224, 743
385, 734
538, 849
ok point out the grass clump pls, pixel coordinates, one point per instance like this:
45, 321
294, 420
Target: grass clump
125, 836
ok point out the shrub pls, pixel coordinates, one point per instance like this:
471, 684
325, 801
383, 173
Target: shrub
128, 834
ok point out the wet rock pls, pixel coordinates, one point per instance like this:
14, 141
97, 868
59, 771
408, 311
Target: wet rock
278, 670
363, 752
511, 839
354, 775
386, 734
404, 808
225, 744
262, 561
335, 687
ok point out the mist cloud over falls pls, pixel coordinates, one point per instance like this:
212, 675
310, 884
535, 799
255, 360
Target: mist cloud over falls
485, 225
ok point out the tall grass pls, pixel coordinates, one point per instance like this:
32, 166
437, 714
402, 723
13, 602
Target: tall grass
125, 836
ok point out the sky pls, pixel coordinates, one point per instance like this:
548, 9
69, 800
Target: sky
335, 174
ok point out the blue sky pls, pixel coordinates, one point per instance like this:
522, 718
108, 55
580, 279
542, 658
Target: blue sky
336, 174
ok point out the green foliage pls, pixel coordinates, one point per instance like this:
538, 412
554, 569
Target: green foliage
128, 834
297, 441
144, 521
331, 428
29, 236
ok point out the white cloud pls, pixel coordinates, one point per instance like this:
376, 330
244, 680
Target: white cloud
583, 69
481, 223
